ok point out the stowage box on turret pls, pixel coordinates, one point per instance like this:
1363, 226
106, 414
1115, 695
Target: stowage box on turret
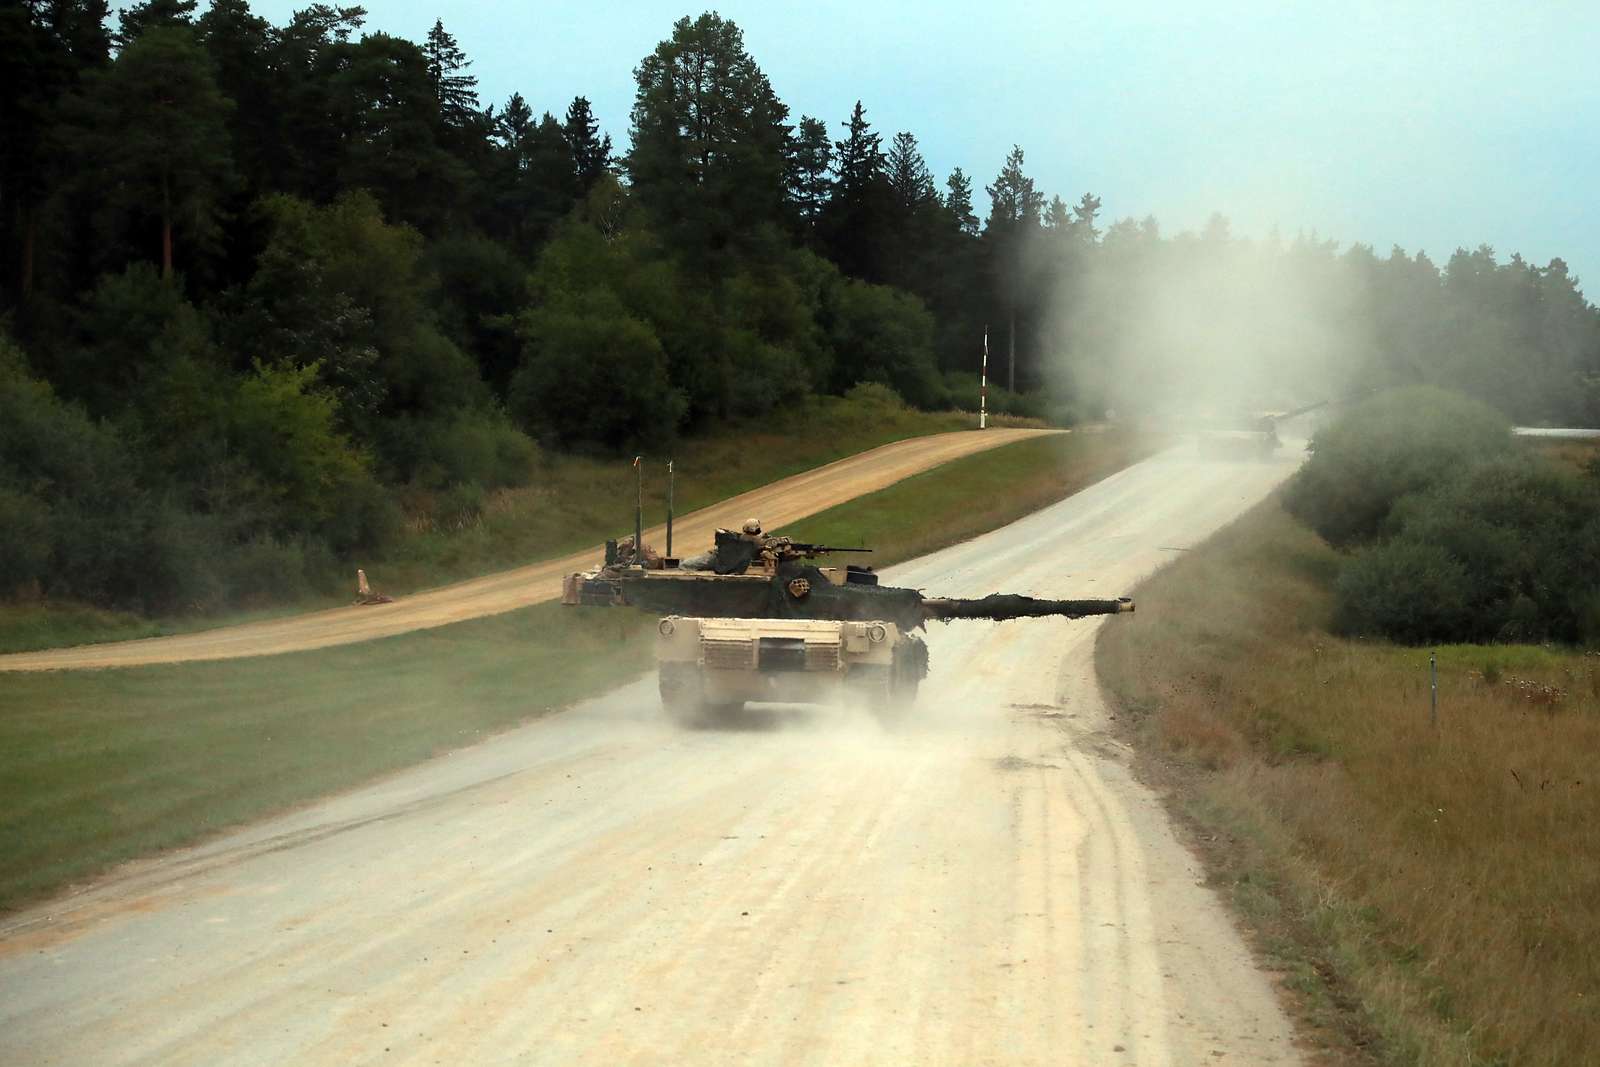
761, 622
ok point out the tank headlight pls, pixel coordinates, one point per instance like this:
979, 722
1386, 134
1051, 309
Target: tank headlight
666, 626
876, 633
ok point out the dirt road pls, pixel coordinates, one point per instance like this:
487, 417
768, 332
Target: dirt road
777, 504
984, 885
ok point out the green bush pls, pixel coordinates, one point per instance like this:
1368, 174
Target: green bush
481, 287
458, 506
477, 447
875, 396
1405, 591
80, 477
884, 335
595, 376
309, 480
1397, 443
1508, 550
24, 540
767, 375
265, 569
962, 389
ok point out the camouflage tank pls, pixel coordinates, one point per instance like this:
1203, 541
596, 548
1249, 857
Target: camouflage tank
759, 621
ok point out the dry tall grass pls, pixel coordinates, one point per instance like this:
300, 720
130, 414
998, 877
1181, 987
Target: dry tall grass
1446, 879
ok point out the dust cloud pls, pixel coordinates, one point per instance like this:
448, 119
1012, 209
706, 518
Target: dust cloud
1201, 325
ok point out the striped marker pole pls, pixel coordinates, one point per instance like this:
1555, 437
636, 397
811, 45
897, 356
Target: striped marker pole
983, 385
638, 514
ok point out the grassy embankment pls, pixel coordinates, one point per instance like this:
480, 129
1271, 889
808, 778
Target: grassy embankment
570, 503
103, 766
1431, 890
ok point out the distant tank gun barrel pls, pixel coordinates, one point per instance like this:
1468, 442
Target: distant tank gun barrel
1287, 415
1001, 606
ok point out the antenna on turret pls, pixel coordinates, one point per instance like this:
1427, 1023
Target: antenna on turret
669, 509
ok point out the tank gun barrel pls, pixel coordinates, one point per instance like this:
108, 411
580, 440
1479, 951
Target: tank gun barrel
1000, 606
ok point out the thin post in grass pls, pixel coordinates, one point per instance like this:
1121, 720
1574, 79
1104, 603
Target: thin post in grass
1433, 690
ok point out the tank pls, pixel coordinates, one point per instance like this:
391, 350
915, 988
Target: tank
762, 622
1248, 436
1240, 439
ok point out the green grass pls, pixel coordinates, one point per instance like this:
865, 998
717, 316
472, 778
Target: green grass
103, 766
57, 624
29, 625
1429, 890
571, 503
97, 767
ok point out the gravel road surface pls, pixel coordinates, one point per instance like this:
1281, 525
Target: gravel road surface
985, 884
777, 504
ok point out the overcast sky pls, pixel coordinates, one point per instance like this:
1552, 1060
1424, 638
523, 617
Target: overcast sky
1427, 125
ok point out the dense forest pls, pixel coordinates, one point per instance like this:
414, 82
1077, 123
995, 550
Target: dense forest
258, 278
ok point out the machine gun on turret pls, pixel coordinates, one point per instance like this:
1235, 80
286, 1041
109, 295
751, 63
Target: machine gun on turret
783, 550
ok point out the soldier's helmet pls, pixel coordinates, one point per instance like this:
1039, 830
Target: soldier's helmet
752, 526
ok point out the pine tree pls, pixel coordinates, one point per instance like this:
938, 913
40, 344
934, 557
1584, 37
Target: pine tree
1056, 217
857, 221
1015, 207
908, 174
810, 159
591, 153
80, 27
136, 19
912, 240
514, 126
32, 79
535, 181
239, 45
958, 201
153, 129
390, 138
710, 139
858, 159
1013, 199
456, 93
1083, 216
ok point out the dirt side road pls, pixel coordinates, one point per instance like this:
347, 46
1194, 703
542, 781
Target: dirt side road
984, 885
777, 504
